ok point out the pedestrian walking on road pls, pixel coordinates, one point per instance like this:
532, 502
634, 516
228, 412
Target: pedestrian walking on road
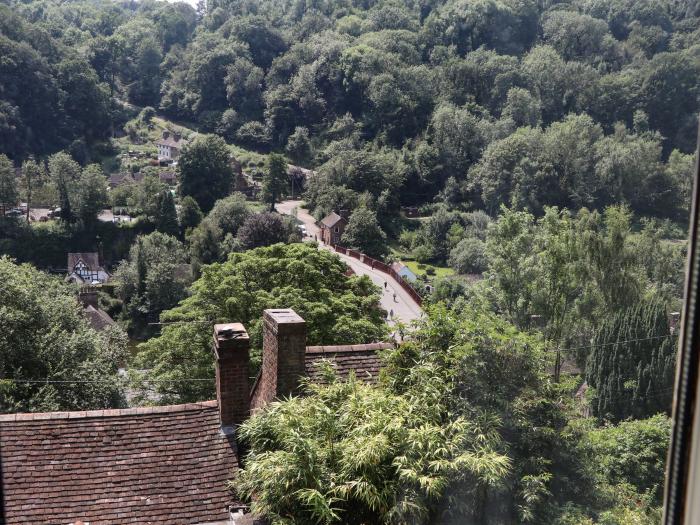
385, 285
394, 296
391, 314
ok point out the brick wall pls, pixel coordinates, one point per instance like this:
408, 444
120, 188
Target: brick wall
382, 267
231, 351
284, 355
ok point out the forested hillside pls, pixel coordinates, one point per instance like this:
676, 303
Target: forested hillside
527, 102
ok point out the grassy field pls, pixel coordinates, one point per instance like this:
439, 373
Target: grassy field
428, 270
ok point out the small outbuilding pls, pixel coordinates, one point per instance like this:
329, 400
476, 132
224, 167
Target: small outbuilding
332, 227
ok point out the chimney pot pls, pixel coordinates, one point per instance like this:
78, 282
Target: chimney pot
232, 353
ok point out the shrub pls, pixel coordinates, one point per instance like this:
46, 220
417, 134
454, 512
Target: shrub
423, 253
468, 256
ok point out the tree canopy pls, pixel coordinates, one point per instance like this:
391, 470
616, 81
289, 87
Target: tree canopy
52, 359
336, 308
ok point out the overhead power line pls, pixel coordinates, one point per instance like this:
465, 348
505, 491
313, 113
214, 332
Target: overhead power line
613, 343
101, 382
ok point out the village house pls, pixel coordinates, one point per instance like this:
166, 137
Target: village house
119, 179
85, 268
99, 319
167, 177
162, 465
169, 146
332, 227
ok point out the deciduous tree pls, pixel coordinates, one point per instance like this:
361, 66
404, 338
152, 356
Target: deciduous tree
205, 170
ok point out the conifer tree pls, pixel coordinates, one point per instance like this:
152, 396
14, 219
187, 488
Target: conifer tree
166, 218
632, 362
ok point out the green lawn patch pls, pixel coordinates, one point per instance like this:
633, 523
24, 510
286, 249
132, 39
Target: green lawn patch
429, 270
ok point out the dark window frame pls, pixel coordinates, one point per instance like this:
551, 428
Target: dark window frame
685, 412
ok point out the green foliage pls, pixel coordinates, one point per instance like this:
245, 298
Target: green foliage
275, 179
363, 233
575, 272
351, 453
632, 363
298, 145
166, 215
222, 223
468, 256
493, 374
190, 215
205, 171
265, 229
337, 310
153, 278
51, 340
632, 453
91, 194
8, 184
64, 172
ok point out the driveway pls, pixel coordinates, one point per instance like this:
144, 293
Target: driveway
394, 298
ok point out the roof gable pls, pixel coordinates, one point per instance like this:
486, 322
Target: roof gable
99, 319
90, 259
331, 219
171, 142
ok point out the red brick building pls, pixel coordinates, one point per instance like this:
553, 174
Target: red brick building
332, 227
160, 465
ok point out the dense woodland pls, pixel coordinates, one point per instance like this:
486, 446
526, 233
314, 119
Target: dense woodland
546, 147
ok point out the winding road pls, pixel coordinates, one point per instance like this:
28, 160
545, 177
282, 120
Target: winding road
394, 297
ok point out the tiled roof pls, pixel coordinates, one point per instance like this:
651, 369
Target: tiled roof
171, 142
89, 258
362, 359
157, 465
331, 219
120, 178
99, 319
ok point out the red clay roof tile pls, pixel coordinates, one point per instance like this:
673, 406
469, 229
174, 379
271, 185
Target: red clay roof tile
156, 465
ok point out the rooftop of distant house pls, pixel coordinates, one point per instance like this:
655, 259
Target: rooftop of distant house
90, 259
171, 140
331, 220
168, 464
85, 268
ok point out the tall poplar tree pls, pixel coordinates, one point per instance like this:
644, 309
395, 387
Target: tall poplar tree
632, 362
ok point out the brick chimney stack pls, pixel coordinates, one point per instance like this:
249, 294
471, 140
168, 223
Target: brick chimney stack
284, 353
231, 350
88, 297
